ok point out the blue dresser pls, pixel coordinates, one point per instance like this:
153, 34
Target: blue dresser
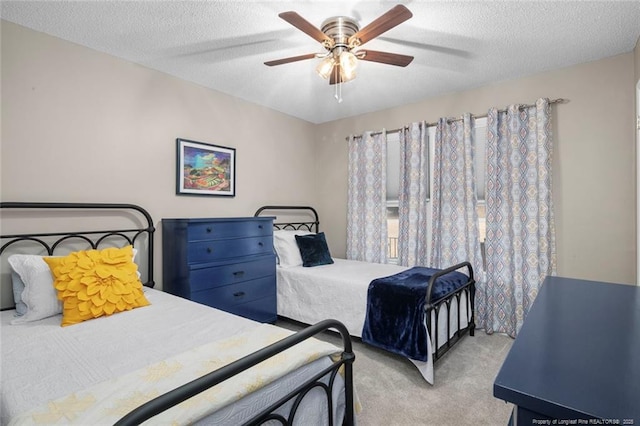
226, 263
576, 359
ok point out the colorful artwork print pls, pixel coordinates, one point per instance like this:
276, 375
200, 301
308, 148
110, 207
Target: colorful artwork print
205, 169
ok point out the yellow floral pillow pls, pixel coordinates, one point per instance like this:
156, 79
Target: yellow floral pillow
93, 283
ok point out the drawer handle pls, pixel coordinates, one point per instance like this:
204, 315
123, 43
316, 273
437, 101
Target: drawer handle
239, 294
238, 274
260, 244
209, 229
209, 250
259, 226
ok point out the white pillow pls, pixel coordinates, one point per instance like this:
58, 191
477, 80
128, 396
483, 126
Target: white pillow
39, 294
18, 288
284, 241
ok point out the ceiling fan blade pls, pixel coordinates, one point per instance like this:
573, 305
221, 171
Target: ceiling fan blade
305, 26
385, 57
431, 47
395, 16
291, 59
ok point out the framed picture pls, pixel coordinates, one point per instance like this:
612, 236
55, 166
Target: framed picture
205, 169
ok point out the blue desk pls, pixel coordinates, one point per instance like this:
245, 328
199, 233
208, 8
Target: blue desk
577, 356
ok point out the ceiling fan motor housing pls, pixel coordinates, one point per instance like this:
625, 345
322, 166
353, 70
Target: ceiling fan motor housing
339, 29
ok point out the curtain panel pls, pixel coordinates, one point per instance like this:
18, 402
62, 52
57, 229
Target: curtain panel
413, 197
367, 197
455, 236
520, 241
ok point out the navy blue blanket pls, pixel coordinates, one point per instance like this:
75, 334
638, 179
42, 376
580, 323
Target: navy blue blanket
395, 310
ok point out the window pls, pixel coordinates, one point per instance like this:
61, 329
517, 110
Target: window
393, 188
393, 182
392, 233
480, 168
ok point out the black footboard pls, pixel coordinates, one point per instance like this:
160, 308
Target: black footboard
168, 400
469, 290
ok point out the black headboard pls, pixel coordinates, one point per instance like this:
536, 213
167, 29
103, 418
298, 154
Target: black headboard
313, 224
141, 222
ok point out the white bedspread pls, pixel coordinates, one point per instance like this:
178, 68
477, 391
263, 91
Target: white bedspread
330, 291
340, 290
86, 354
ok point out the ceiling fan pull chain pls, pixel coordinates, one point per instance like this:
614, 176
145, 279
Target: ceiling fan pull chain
338, 94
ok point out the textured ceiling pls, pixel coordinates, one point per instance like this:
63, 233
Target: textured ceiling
456, 45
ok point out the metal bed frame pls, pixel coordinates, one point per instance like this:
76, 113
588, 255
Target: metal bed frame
468, 289
93, 238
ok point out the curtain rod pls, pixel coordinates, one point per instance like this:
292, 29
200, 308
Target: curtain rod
551, 102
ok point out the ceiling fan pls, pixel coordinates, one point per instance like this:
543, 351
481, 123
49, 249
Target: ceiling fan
342, 40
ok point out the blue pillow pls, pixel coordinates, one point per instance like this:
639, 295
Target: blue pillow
314, 249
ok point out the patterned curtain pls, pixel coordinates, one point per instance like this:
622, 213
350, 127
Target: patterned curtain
413, 206
367, 197
520, 241
455, 218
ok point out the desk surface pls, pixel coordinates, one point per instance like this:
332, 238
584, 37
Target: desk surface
578, 353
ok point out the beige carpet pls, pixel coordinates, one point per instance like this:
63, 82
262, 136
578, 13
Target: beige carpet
392, 391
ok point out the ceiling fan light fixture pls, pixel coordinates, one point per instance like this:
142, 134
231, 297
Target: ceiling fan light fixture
341, 37
348, 65
325, 67
345, 77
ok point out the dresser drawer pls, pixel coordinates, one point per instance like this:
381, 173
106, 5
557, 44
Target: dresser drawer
217, 276
215, 230
263, 310
229, 295
215, 250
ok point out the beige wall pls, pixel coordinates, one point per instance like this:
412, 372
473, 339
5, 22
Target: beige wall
593, 166
79, 125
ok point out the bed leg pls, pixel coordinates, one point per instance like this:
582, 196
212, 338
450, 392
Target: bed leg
472, 297
349, 415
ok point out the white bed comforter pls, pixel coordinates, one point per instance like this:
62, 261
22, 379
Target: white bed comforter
92, 354
330, 291
340, 290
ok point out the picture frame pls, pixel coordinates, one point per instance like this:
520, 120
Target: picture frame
205, 169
